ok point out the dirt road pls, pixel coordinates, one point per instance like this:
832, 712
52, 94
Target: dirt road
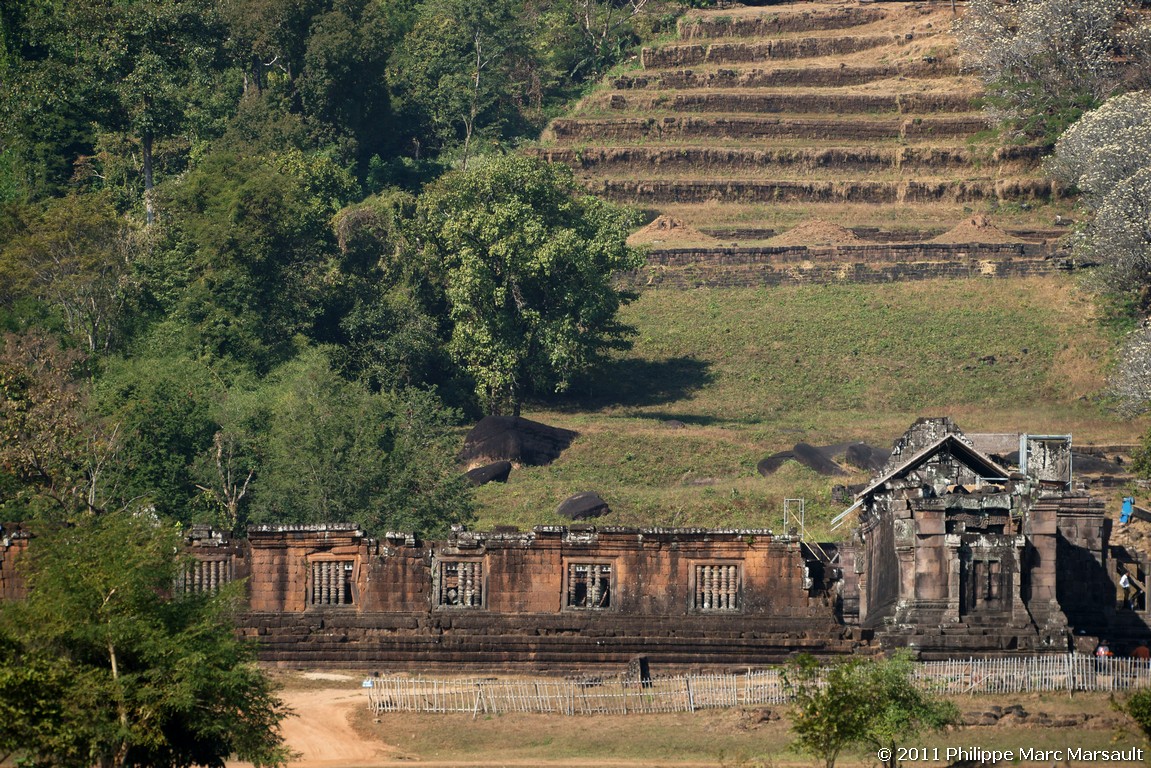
321, 734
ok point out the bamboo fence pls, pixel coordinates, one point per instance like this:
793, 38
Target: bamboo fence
688, 693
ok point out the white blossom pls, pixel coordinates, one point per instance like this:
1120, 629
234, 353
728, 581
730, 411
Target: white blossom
1043, 58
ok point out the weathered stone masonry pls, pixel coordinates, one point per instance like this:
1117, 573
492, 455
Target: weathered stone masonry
552, 597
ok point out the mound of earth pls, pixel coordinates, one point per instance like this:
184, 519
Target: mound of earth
774, 462
515, 439
866, 457
816, 232
668, 229
812, 458
977, 229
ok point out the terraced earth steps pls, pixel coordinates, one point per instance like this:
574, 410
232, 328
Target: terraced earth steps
648, 191
798, 103
862, 118
756, 23
780, 77
630, 161
877, 235
688, 268
731, 53
815, 128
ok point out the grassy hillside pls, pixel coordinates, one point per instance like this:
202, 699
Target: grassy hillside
753, 371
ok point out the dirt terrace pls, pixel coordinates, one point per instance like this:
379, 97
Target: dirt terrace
758, 119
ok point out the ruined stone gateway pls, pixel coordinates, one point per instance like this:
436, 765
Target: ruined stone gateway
957, 549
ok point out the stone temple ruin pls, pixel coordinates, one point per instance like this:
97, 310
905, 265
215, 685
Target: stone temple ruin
958, 548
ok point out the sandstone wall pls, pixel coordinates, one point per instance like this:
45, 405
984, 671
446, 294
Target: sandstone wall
13, 543
516, 605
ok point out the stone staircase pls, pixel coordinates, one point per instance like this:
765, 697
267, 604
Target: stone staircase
757, 119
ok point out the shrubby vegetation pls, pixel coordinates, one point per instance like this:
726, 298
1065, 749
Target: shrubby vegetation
1069, 73
104, 665
1107, 155
225, 298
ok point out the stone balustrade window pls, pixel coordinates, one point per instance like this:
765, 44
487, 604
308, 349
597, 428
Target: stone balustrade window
461, 584
589, 586
716, 588
331, 582
206, 576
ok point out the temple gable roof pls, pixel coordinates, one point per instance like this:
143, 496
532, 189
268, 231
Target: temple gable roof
976, 461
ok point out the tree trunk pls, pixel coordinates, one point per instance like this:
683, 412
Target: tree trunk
122, 750
149, 211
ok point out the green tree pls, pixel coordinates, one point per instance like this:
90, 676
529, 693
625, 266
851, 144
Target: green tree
55, 452
390, 334
860, 701
527, 264
460, 69
162, 405
1137, 706
248, 264
159, 679
75, 257
331, 451
142, 68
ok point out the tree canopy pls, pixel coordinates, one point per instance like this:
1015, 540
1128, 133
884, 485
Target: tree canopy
527, 266
1046, 62
107, 661
860, 702
222, 238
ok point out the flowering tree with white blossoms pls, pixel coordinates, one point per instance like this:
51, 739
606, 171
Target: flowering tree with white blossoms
1107, 155
1046, 62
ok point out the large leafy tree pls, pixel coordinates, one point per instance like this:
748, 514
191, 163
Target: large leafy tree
74, 257
105, 663
860, 701
247, 265
527, 264
1106, 154
322, 449
390, 330
55, 456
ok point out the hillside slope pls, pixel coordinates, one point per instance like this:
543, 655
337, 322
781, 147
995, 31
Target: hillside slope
756, 119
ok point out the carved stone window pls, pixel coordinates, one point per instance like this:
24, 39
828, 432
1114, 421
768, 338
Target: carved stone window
331, 582
716, 587
589, 586
206, 576
461, 584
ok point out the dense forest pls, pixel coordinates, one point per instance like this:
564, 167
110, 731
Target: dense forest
259, 259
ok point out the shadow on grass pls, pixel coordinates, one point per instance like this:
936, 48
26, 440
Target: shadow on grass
632, 382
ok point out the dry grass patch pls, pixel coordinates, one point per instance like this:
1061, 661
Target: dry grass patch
749, 737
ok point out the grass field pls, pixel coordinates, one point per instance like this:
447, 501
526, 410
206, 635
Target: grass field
751, 738
749, 372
